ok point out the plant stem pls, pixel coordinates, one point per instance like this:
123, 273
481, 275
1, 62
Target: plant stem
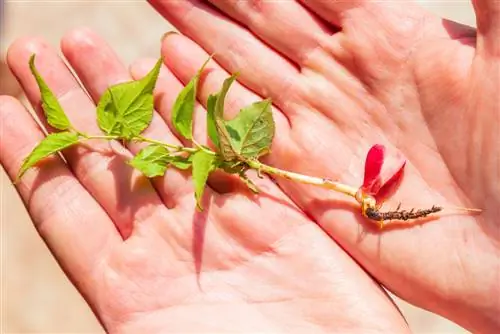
317, 181
98, 137
201, 148
174, 147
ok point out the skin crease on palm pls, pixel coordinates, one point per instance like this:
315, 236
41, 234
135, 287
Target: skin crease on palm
343, 76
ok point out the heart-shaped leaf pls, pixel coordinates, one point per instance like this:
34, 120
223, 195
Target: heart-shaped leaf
247, 136
252, 130
126, 109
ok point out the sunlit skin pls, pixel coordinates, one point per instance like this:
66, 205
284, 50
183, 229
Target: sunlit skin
350, 75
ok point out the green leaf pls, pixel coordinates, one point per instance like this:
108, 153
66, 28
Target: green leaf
181, 162
247, 136
226, 150
211, 127
51, 107
126, 109
183, 108
154, 160
151, 161
203, 164
252, 130
51, 144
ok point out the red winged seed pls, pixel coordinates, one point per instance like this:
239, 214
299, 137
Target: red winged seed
383, 172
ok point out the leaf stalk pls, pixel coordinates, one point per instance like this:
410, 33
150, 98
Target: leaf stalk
103, 137
176, 148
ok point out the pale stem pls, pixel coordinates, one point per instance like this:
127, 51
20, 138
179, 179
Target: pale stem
175, 147
317, 181
201, 148
87, 136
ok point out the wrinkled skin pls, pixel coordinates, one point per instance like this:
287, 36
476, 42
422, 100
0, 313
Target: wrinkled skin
342, 76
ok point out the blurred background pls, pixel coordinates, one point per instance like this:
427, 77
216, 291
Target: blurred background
36, 296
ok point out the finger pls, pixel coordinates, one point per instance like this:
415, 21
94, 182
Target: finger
126, 196
98, 67
272, 21
331, 11
334, 12
236, 49
184, 60
167, 89
488, 26
75, 227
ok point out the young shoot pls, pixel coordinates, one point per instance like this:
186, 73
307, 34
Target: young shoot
125, 110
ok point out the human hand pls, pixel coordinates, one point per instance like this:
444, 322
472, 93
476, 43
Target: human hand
141, 255
346, 75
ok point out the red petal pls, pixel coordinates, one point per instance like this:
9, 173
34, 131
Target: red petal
373, 166
390, 186
383, 172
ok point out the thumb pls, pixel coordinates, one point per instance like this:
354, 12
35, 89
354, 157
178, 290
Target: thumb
488, 26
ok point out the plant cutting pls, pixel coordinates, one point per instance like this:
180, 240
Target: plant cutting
125, 110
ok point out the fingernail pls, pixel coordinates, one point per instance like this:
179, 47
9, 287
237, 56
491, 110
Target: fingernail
168, 33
